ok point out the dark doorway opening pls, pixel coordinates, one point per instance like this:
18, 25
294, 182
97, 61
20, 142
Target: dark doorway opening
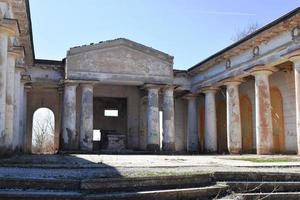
110, 123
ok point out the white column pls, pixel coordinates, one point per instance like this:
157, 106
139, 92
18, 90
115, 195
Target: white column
263, 112
168, 119
11, 140
86, 119
7, 29
22, 115
153, 143
192, 124
234, 128
210, 135
17, 102
296, 61
3, 69
69, 117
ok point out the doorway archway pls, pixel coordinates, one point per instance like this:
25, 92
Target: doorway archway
43, 130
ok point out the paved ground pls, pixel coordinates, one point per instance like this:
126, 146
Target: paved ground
88, 166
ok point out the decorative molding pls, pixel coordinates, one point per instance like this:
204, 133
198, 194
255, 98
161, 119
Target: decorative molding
255, 51
228, 64
295, 32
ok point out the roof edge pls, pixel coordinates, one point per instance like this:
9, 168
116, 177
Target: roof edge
260, 30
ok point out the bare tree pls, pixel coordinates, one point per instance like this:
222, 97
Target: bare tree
246, 31
43, 130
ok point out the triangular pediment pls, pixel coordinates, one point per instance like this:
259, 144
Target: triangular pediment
118, 59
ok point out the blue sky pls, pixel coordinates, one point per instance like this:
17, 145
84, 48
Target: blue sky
189, 30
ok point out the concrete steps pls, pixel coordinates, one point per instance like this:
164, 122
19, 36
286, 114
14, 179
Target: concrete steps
246, 186
146, 183
266, 196
12, 194
49, 184
200, 193
165, 187
256, 176
260, 185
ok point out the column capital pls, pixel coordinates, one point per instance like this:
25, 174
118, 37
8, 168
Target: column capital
168, 87
152, 86
16, 52
9, 27
25, 78
190, 96
232, 81
87, 84
20, 68
295, 59
210, 89
293, 56
69, 83
262, 69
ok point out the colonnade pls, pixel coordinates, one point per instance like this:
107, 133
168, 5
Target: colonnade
86, 117
263, 112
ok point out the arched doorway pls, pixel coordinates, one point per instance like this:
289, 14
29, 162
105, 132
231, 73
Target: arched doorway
247, 124
277, 120
221, 127
43, 130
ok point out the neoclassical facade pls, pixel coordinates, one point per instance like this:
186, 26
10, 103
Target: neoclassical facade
243, 99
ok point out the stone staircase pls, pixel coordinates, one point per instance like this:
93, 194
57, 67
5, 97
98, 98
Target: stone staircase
254, 186
219, 185
168, 187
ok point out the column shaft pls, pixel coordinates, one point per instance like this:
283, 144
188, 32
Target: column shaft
12, 139
210, 135
3, 69
234, 129
153, 120
86, 120
17, 102
23, 114
168, 120
297, 95
69, 118
263, 113
192, 133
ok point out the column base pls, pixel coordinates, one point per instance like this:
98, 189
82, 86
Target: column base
169, 146
153, 147
235, 151
264, 153
211, 151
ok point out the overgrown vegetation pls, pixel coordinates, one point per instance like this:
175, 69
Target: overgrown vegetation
240, 34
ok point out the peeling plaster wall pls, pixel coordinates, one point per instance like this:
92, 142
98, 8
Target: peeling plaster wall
38, 74
285, 82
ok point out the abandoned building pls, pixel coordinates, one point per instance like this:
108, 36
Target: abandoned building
243, 99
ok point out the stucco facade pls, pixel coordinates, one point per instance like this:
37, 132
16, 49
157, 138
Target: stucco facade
243, 99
